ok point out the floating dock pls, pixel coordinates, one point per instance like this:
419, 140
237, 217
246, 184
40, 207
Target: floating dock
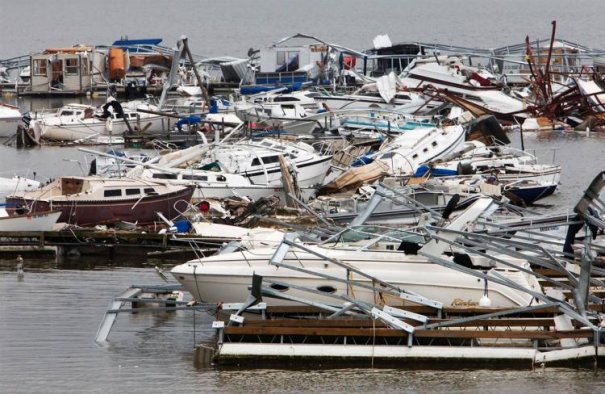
295, 336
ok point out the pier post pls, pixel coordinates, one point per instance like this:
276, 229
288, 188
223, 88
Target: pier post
203, 357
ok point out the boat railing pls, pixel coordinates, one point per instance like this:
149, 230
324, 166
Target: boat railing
397, 153
552, 150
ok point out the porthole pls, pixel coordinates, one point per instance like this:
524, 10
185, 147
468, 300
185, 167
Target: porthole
278, 287
326, 289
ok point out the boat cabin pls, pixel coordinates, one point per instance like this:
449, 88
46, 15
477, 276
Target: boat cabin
61, 70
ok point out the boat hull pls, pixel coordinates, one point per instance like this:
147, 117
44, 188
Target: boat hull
308, 174
91, 128
43, 221
92, 212
531, 194
227, 278
254, 192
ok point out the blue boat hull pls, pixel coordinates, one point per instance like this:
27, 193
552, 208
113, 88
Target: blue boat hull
531, 194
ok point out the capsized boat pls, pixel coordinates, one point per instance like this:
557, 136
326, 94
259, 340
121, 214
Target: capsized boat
424, 144
256, 160
16, 184
473, 84
88, 201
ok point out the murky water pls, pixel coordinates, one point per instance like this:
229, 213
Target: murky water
48, 320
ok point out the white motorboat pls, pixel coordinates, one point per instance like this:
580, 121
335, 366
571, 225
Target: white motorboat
9, 119
494, 170
508, 163
83, 122
226, 277
291, 117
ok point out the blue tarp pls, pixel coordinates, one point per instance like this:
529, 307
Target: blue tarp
182, 226
191, 119
435, 171
142, 41
362, 161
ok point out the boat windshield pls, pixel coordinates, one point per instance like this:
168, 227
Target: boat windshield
374, 234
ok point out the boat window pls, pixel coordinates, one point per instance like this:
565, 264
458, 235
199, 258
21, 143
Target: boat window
403, 97
112, 193
360, 233
190, 177
164, 176
475, 98
434, 143
221, 178
266, 143
132, 192
270, 159
255, 162
149, 190
425, 150
284, 99
66, 113
387, 155
287, 61
40, 67
415, 156
71, 66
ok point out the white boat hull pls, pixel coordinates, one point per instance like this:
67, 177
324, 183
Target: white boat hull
254, 192
32, 222
90, 128
308, 174
226, 278
17, 184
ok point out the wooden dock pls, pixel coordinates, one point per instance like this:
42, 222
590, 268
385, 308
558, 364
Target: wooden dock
110, 243
293, 336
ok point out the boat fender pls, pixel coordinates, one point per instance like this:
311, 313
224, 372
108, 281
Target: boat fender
203, 206
451, 206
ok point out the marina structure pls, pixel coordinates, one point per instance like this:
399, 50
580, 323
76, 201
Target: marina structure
332, 204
